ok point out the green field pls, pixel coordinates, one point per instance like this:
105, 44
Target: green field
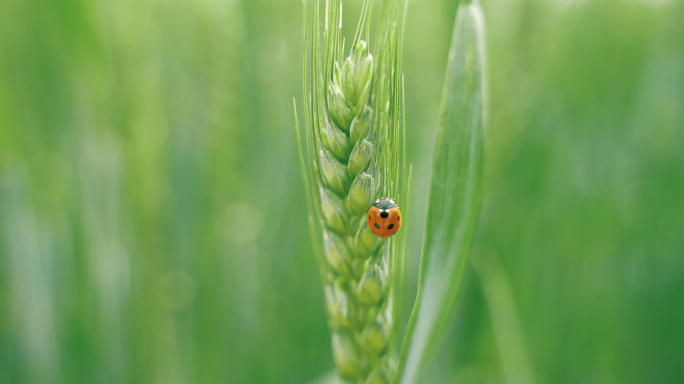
153, 223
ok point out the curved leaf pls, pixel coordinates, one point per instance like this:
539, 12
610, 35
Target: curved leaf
455, 194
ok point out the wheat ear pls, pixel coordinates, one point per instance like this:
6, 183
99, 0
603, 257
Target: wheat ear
352, 151
356, 291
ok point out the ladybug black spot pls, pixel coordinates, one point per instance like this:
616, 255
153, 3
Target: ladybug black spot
384, 214
390, 226
376, 226
398, 218
368, 217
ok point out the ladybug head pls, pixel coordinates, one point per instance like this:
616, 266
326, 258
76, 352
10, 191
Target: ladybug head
384, 203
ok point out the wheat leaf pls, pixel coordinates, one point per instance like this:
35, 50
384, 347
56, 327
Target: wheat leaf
454, 197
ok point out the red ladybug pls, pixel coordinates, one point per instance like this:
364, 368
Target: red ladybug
384, 218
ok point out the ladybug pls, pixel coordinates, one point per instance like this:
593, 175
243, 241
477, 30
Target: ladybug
384, 218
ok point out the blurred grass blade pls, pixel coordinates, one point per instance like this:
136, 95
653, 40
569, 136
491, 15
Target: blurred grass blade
455, 194
508, 333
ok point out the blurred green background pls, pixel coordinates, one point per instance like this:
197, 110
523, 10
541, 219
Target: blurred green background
153, 223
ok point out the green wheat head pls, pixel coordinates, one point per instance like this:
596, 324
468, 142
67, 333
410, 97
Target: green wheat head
355, 145
353, 139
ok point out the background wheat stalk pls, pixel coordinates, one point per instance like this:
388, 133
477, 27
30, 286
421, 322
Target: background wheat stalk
353, 152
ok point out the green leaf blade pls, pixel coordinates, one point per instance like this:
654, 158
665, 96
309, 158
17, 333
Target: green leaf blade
455, 194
